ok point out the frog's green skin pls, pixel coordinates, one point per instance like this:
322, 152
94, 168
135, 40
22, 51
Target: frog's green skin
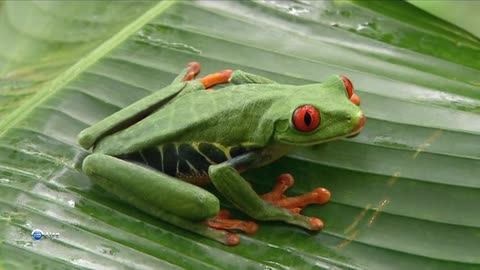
199, 135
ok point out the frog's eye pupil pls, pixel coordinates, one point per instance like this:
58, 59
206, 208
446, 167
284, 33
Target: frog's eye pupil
348, 86
306, 118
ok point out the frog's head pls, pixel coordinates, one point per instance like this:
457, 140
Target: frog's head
320, 112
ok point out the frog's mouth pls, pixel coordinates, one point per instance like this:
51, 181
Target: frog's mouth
358, 127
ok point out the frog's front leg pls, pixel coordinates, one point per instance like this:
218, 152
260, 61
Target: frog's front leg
140, 109
272, 206
167, 198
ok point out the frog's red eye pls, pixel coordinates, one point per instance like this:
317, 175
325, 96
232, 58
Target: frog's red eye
306, 118
348, 85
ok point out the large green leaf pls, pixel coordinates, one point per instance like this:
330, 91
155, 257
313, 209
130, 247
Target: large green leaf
462, 13
405, 192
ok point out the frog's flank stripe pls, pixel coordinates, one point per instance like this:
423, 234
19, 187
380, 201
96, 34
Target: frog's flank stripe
178, 162
195, 146
198, 162
237, 151
212, 152
152, 157
160, 150
185, 160
135, 157
170, 159
192, 168
183, 167
143, 158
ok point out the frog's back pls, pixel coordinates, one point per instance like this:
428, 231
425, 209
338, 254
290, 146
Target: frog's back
227, 117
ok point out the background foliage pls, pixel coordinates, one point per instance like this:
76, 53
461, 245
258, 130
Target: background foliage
405, 192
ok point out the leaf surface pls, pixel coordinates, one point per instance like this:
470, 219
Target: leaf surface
405, 191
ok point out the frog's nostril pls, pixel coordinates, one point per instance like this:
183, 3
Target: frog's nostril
361, 122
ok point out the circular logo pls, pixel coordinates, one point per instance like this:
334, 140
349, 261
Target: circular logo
37, 234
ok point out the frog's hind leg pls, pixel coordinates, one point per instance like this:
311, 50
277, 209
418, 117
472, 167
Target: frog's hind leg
295, 204
169, 199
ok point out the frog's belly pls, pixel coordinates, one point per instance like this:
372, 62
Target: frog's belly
186, 161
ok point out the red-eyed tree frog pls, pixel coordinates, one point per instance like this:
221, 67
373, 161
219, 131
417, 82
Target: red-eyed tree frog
188, 131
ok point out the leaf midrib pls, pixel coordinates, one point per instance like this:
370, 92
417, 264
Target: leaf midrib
71, 73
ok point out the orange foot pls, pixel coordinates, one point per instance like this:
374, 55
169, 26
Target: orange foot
194, 69
276, 197
222, 221
216, 78
296, 204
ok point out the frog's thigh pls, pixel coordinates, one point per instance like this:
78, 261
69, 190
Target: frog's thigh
150, 190
229, 182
